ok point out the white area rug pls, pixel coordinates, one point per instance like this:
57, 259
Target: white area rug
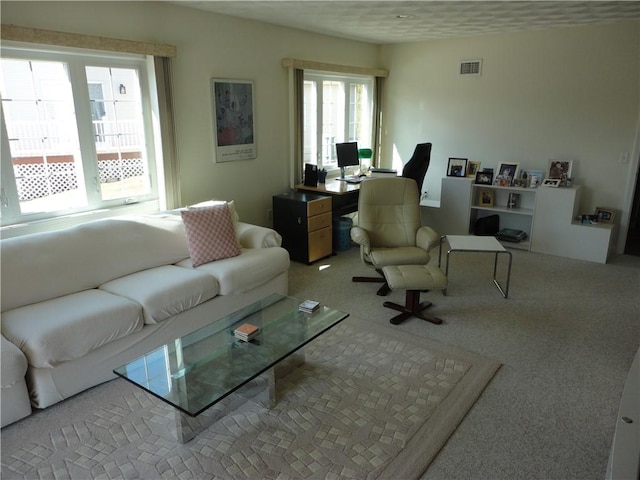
371, 402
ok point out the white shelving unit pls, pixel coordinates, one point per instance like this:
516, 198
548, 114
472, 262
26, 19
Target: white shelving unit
547, 215
520, 217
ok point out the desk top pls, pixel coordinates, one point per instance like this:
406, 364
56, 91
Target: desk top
333, 187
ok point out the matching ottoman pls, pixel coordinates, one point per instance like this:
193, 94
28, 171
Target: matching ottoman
16, 403
413, 279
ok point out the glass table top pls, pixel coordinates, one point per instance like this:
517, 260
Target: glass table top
195, 371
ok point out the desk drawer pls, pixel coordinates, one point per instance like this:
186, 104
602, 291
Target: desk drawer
319, 221
316, 207
320, 244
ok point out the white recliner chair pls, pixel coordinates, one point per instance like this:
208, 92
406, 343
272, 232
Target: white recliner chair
389, 229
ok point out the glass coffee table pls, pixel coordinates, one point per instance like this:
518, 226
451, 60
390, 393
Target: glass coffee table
196, 371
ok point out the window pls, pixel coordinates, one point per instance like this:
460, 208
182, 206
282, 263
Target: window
77, 133
336, 109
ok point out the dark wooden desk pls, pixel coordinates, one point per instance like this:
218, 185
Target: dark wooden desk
344, 196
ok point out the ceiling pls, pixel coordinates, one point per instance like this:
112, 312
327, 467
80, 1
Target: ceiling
385, 22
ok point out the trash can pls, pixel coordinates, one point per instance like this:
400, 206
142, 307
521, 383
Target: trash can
342, 233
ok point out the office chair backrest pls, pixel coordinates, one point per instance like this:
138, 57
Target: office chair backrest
389, 210
417, 165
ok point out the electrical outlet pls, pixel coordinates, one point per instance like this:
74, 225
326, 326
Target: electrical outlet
623, 158
269, 215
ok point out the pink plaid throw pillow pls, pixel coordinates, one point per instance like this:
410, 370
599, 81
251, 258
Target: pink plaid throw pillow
210, 234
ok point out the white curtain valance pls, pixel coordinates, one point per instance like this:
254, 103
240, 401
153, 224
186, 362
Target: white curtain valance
78, 40
331, 67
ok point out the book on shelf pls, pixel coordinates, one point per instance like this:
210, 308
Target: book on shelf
511, 235
309, 306
246, 332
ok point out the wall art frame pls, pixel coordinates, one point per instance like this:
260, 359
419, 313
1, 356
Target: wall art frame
506, 173
233, 119
457, 167
486, 197
472, 168
551, 182
605, 215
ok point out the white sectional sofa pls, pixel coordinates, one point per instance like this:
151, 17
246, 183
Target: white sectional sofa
78, 302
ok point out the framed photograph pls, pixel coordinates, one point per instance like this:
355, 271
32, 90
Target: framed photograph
560, 169
233, 120
532, 178
551, 182
484, 178
507, 173
605, 215
473, 168
457, 167
486, 198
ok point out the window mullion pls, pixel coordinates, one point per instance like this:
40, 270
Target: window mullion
88, 153
9, 203
319, 122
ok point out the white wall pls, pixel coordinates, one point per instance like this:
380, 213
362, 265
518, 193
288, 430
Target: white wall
210, 46
569, 93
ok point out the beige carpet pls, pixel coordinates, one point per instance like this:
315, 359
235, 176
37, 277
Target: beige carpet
371, 402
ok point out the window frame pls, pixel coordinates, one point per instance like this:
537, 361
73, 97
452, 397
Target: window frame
76, 60
347, 80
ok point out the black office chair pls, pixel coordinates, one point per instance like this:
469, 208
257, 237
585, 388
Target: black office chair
418, 164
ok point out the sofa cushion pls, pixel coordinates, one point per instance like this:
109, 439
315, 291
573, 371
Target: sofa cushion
13, 364
211, 234
164, 291
83, 257
67, 328
253, 267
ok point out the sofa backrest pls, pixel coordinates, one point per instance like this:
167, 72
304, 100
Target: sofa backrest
43, 266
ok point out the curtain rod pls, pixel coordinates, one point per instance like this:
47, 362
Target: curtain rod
330, 67
64, 39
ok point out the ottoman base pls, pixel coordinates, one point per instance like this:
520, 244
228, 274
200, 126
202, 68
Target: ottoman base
413, 279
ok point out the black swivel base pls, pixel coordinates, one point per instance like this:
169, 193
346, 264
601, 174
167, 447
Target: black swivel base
383, 290
411, 308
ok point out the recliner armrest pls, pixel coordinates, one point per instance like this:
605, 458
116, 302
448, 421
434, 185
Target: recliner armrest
427, 238
361, 237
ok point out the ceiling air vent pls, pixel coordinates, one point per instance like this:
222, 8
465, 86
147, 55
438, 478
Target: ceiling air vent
471, 67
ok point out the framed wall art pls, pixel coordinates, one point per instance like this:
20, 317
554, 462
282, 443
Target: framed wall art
484, 177
532, 178
233, 119
560, 169
551, 182
472, 168
506, 173
486, 198
605, 215
457, 167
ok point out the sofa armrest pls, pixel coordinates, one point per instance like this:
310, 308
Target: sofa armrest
255, 236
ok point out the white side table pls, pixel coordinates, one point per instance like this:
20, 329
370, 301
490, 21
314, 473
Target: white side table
477, 244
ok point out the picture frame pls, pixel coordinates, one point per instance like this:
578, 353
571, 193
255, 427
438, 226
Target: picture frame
605, 215
506, 173
560, 169
532, 178
551, 182
233, 119
472, 168
457, 167
485, 197
484, 178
